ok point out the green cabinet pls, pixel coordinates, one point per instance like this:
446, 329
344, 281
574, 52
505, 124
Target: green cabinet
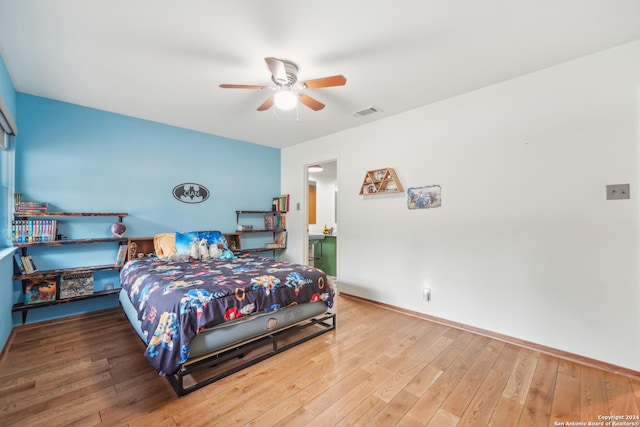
326, 255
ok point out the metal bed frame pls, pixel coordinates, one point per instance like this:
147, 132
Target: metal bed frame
321, 325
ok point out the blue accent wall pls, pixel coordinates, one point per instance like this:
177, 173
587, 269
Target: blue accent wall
81, 159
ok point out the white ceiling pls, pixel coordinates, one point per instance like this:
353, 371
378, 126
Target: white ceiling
163, 60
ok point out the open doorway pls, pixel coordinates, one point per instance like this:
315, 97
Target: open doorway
322, 216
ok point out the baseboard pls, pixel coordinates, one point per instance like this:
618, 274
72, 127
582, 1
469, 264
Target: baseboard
561, 354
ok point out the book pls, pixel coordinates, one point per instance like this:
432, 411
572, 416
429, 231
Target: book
281, 239
28, 264
121, 255
280, 203
74, 285
284, 203
269, 222
280, 222
29, 207
33, 230
42, 289
18, 259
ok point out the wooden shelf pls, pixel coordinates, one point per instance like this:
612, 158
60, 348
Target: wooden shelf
238, 213
55, 214
262, 230
139, 245
70, 242
24, 308
53, 274
237, 236
255, 250
144, 245
380, 181
61, 271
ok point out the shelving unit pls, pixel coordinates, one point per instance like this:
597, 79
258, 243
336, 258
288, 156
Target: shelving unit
237, 236
380, 181
54, 274
145, 245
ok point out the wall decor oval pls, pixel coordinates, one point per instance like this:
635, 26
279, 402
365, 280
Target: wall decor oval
190, 192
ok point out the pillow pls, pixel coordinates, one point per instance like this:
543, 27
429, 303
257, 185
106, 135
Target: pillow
185, 240
164, 244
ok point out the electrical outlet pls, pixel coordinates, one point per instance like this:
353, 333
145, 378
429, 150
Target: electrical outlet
426, 294
618, 191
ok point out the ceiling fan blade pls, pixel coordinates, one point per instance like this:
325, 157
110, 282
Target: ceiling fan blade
226, 86
338, 80
278, 71
315, 105
266, 104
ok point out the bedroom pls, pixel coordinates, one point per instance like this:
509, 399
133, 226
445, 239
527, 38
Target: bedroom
524, 245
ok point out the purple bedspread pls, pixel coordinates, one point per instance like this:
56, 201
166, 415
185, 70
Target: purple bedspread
176, 300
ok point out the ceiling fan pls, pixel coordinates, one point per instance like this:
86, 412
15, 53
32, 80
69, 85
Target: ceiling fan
288, 90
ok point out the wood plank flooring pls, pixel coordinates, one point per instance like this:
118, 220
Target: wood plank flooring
379, 368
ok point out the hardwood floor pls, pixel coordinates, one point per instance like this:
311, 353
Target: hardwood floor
379, 368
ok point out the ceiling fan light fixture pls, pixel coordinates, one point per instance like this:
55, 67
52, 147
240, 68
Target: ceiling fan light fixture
285, 100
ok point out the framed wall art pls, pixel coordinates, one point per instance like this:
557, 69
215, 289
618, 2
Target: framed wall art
424, 197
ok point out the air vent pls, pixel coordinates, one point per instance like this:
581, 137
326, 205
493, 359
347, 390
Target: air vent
367, 111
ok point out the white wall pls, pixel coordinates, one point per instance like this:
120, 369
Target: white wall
525, 243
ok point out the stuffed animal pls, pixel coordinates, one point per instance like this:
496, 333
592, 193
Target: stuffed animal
194, 251
214, 251
203, 249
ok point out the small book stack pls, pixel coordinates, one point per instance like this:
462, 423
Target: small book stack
280, 222
280, 203
25, 264
23, 206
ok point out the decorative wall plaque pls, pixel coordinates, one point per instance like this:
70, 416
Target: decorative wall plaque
190, 193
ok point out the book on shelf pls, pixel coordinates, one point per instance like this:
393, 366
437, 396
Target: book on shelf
25, 207
18, 259
269, 222
77, 284
280, 203
280, 222
281, 239
33, 230
28, 264
121, 255
42, 289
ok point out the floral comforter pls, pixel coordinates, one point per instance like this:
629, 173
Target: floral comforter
176, 300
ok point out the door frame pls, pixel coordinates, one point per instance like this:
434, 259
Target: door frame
305, 186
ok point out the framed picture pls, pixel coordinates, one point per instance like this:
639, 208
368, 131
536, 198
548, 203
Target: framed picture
424, 197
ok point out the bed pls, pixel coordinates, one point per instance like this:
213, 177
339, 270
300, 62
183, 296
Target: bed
204, 314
